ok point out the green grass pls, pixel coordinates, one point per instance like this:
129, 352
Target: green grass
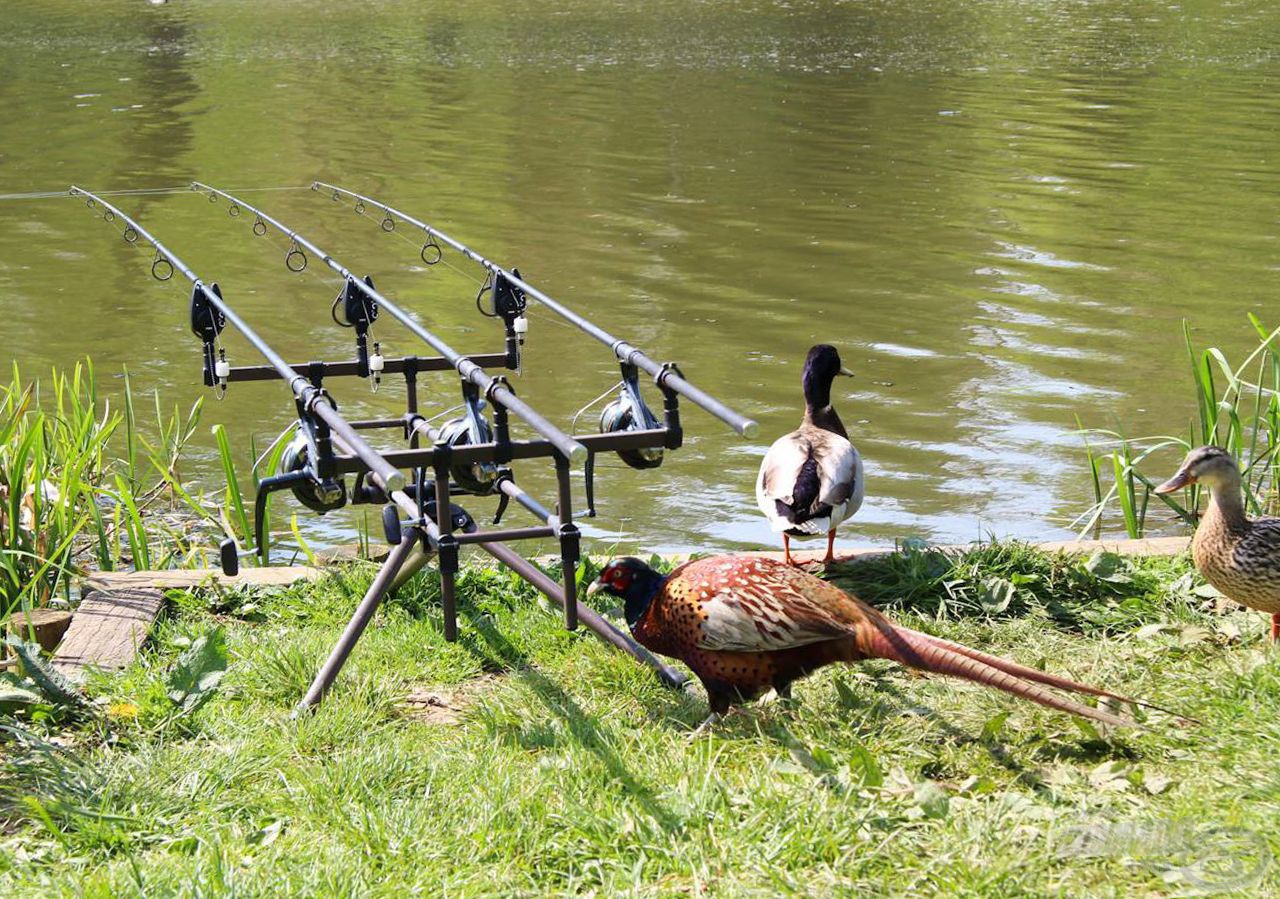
571, 769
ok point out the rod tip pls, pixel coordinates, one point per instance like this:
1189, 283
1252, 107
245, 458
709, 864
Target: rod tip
750, 428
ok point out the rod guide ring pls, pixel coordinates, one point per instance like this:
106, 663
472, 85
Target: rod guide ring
388, 223
432, 248
233, 210
295, 260
260, 228
160, 264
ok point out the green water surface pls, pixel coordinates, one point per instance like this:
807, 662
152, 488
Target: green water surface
998, 211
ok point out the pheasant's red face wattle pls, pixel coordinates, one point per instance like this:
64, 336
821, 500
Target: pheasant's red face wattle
617, 578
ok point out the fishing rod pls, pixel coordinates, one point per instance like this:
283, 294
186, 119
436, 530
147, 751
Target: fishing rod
667, 376
209, 315
430, 526
497, 391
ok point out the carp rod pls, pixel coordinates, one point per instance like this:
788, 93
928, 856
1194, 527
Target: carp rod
209, 315
666, 376
496, 390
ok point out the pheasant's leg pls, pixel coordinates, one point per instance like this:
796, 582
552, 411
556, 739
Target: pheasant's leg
1275, 627
713, 719
831, 542
786, 549
781, 694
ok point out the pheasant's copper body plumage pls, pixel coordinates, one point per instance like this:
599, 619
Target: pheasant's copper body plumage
744, 625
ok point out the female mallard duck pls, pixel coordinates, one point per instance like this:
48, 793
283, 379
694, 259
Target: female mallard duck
811, 479
1239, 556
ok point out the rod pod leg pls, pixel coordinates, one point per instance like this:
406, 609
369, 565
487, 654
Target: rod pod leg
380, 587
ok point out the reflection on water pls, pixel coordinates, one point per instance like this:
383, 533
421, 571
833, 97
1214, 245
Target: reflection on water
999, 211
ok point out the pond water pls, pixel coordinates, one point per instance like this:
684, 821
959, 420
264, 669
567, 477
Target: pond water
1000, 212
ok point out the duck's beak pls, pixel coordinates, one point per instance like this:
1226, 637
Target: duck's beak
1178, 481
846, 373
596, 587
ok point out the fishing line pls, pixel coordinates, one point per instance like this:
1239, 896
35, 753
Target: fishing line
129, 192
322, 279
439, 258
573, 425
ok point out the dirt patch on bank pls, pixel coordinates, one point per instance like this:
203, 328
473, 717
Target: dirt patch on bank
443, 705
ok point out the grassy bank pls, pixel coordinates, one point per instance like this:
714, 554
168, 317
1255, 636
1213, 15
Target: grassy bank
538, 761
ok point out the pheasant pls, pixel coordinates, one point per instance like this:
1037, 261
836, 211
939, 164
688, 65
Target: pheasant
747, 624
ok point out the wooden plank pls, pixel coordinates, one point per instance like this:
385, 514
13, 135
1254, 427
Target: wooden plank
107, 631
194, 578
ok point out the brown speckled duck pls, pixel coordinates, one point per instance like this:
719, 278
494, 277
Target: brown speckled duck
1238, 555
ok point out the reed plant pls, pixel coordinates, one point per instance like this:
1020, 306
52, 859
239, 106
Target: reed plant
52, 460
1237, 408
83, 484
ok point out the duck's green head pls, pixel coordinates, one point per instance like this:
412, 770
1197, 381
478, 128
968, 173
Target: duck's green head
821, 367
1208, 465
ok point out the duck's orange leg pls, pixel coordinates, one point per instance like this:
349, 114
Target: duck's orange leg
831, 542
786, 549
1275, 627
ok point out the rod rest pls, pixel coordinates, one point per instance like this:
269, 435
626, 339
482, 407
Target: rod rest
393, 528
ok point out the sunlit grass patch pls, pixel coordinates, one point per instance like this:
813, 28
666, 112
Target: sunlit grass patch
569, 768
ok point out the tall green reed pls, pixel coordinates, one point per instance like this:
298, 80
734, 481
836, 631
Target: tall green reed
1237, 408
84, 486
52, 459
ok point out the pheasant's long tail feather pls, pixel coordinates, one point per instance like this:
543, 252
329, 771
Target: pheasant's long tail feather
1034, 674
911, 648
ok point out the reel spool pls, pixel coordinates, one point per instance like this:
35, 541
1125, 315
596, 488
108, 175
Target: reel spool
472, 477
316, 495
629, 413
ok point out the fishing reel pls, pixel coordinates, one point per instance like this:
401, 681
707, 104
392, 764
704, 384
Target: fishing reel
471, 429
629, 413
626, 413
317, 494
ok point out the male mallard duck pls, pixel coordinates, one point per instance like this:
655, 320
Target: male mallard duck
1239, 556
811, 479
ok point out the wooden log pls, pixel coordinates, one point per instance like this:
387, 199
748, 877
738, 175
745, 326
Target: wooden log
48, 626
107, 631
